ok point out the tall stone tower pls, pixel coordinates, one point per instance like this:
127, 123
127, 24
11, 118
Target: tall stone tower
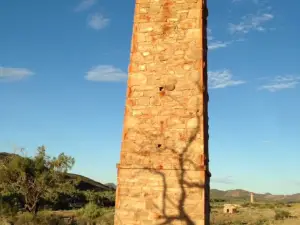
163, 174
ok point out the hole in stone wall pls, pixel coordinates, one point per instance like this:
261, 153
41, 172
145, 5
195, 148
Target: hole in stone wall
158, 145
162, 91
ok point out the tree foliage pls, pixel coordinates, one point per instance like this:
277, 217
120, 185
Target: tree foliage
105, 198
36, 178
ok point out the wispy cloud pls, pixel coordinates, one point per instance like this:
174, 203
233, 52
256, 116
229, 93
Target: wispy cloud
14, 74
105, 73
280, 83
215, 44
222, 79
209, 34
254, 1
97, 21
251, 22
222, 180
85, 5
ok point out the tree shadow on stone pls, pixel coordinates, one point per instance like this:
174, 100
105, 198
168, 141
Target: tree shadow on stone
184, 164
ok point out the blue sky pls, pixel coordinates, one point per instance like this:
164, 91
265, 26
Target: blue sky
63, 82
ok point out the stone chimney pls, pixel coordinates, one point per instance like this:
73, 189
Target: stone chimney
251, 198
166, 117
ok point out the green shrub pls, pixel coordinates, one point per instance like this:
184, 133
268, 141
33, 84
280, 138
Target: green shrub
25, 219
216, 200
7, 210
91, 211
104, 198
9, 204
271, 206
281, 214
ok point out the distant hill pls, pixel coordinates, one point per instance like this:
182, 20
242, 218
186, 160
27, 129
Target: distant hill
5, 155
239, 194
84, 184
89, 184
111, 185
229, 195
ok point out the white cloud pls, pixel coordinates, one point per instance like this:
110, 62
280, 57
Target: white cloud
85, 5
105, 73
97, 21
251, 22
9, 73
254, 1
281, 82
222, 79
215, 44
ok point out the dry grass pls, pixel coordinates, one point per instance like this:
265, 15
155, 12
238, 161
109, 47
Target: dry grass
259, 214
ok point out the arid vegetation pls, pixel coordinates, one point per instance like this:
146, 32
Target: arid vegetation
257, 214
39, 190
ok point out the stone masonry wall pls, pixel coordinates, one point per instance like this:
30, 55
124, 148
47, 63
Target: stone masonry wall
163, 173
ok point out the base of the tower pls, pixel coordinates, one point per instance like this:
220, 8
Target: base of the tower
160, 196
